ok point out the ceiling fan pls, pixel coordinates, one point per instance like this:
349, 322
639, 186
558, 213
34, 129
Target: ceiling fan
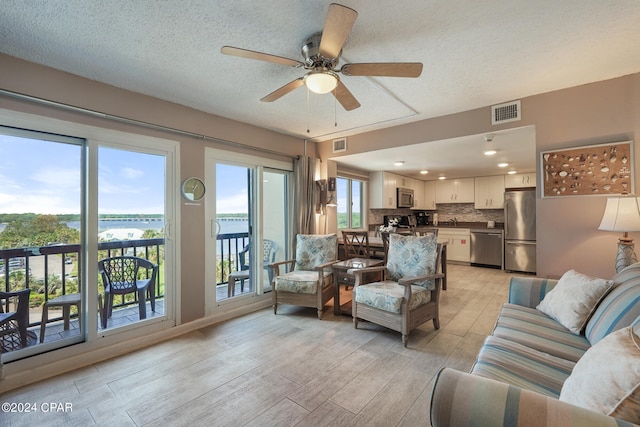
321, 54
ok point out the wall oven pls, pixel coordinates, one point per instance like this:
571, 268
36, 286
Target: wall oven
405, 198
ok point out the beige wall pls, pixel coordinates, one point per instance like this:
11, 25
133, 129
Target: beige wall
42, 82
601, 112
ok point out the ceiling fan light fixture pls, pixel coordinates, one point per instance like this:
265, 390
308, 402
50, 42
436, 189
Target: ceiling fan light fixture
321, 82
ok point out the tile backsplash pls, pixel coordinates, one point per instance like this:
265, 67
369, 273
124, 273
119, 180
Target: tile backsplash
463, 212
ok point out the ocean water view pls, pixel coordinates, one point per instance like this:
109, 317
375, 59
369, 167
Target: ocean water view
227, 225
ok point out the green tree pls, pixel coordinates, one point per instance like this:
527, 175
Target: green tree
152, 234
40, 230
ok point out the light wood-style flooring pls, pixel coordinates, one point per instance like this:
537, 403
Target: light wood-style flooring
289, 369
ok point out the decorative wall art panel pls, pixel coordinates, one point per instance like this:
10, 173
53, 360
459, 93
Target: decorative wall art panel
603, 169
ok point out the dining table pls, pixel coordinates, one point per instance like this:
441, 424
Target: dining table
377, 249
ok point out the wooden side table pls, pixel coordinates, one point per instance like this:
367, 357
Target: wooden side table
343, 279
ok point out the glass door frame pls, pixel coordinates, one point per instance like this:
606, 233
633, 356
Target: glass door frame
170, 258
256, 299
96, 136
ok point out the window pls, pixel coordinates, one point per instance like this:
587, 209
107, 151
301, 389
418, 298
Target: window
69, 201
349, 193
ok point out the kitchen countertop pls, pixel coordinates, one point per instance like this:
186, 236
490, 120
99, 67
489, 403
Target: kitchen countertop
474, 225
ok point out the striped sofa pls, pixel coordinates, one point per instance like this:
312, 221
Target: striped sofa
533, 371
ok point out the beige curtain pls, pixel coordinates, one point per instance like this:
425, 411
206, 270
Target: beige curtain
304, 195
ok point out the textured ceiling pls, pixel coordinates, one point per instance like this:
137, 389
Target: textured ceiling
475, 53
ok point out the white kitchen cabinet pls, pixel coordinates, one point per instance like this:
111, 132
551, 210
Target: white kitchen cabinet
382, 190
520, 180
458, 243
418, 195
455, 191
404, 181
429, 195
489, 192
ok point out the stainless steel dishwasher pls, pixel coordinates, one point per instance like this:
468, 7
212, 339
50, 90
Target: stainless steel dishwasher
487, 247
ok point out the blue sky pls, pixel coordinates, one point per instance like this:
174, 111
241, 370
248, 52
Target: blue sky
45, 178
231, 189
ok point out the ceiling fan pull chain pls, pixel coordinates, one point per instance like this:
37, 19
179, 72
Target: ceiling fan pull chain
335, 109
308, 111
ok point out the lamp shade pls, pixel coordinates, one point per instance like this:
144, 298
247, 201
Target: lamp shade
321, 82
332, 200
621, 214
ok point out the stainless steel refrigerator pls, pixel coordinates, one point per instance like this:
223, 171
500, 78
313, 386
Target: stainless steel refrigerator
520, 231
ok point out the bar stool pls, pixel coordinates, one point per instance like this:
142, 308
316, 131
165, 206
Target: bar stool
64, 301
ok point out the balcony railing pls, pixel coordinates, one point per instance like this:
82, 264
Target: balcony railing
58, 266
55, 263
229, 246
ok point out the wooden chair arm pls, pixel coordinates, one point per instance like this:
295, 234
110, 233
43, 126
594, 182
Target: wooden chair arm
276, 266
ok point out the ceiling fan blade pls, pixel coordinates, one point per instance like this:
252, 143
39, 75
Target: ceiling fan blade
245, 53
278, 93
345, 98
383, 69
337, 27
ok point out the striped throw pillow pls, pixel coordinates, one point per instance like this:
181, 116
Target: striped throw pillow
619, 308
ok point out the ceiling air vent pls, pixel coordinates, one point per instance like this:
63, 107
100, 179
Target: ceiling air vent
339, 145
503, 113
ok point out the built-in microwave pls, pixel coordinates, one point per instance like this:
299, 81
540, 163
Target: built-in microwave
405, 198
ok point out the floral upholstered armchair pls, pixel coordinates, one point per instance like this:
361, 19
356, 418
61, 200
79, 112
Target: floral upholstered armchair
309, 279
409, 294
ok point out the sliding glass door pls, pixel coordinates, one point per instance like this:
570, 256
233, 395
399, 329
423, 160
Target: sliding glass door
249, 226
233, 220
131, 223
275, 221
41, 213
67, 202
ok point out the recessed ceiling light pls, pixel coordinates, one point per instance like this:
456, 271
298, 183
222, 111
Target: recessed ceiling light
490, 152
442, 177
424, 172
512, 172
503, 165
399, 163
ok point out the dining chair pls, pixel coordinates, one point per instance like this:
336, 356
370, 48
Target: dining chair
384, 235
356, 244
309, 279
409, 293
14, 320
122, 275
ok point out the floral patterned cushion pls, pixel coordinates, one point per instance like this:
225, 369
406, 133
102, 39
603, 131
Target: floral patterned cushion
302, 282
411, 256
315, 249
388, 296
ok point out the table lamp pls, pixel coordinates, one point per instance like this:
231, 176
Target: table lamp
622, 214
